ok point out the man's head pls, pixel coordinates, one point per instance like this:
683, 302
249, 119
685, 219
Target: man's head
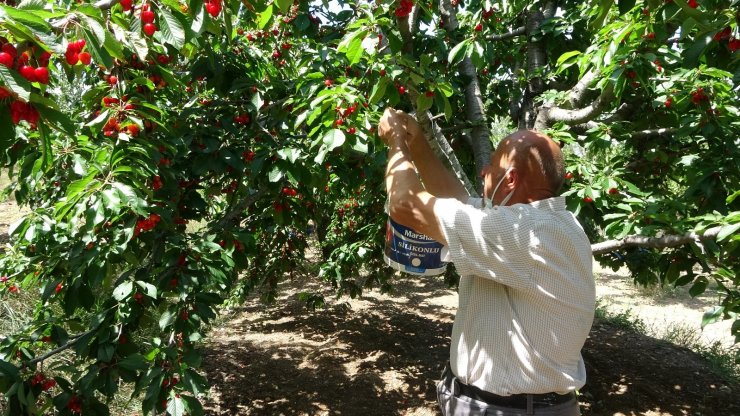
528, 164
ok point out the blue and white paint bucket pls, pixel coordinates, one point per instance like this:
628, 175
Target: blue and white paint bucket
411, 252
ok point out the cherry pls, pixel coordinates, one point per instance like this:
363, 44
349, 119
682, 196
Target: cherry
588, 200
147, 16
6, 59
28, 72
149, 29
85, 58
42, 75
613, 191
478, 27
112, 80
401, 89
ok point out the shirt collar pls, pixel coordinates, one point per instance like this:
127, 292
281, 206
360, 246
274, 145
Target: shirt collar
556, 203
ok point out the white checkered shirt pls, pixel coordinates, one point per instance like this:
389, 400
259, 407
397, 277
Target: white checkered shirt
526, 294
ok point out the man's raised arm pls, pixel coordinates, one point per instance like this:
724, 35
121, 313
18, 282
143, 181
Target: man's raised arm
437, 179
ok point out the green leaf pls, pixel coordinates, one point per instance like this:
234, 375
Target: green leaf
265, 17
423, 103
333, 139
123, 290
113, 46
692, 54
175, 406
15, 83
727, 230
290, 154
134, 362
275, 174
99, 55
284, 5
711, 316
32, 20
171, 29
699, 286
193, 406
149, 289
568, 57
445, 88
457, 53
56, 119
355, 51
166, 319
379, 90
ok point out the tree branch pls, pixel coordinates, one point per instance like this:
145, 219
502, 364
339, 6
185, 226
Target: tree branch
72, 341
508, 35
644, 134
548, 115
653, 242
442, 149
577, 93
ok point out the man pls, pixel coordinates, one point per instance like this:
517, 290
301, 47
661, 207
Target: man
526, 293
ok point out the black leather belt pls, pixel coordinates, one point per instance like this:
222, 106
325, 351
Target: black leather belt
518, 401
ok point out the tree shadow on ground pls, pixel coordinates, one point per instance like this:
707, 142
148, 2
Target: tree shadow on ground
384, 356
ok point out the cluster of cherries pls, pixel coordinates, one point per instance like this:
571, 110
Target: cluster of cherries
75, 53
147, 18
45, 383
22, 62
146, 224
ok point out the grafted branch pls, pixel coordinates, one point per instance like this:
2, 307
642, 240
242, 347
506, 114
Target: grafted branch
654, 242
442, 149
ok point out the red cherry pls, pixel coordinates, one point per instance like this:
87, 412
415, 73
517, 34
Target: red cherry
693, 4
127, 5
85, 58
429, 94
72, 57
668, 102
351, 130
28, 72
478, 27
382, 72
328, 82
613, 191
6, 59
588, 200
733, 44
147, 16
569, 175
149, 29
112, 80
401, 89
42, 75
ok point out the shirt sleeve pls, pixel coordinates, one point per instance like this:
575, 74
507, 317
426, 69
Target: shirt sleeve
492, 243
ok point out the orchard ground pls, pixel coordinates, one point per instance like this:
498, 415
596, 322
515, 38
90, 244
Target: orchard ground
382, 354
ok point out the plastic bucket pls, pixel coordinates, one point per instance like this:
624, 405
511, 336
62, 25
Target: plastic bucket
411, 252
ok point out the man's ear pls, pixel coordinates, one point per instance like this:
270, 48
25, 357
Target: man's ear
512, 179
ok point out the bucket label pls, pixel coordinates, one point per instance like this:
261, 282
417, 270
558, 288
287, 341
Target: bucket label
411, 252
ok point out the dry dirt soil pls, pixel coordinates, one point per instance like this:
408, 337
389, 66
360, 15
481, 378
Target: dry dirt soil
381, 355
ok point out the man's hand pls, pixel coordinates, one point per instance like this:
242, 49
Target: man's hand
392, 127
397, 128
